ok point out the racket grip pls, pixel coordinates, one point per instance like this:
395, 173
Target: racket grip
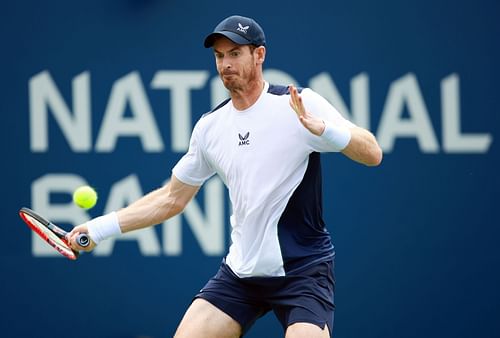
83, 240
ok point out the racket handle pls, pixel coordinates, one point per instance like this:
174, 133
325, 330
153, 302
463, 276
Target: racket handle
83, 240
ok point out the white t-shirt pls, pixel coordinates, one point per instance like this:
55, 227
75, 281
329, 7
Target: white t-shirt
270, 165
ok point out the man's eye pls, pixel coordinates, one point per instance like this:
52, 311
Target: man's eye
235, 53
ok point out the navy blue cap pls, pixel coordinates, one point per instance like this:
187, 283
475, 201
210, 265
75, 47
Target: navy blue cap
239, 29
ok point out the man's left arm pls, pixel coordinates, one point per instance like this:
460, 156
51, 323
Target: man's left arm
363, 147
354, 142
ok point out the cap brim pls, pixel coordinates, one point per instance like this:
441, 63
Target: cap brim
238, 39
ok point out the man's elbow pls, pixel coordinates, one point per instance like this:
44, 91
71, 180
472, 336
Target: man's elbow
375, 157
177, 207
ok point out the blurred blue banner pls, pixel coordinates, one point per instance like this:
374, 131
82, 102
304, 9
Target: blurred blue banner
106, 93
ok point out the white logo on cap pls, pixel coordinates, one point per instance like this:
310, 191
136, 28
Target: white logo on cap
242, 29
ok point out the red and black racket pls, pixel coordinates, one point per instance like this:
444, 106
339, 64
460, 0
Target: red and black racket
52, 234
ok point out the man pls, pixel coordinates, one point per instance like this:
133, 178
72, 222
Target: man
264, 143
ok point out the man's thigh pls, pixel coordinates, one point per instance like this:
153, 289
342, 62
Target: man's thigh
306, 330
204, 320
307, 303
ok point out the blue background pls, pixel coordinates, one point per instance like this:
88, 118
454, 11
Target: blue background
416, 238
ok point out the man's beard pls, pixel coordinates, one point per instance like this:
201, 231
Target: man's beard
238, 81
233, 84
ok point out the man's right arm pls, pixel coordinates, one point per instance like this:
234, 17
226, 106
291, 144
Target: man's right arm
153, 208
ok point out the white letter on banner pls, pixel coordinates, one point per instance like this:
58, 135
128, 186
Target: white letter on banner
67, 213
123, 193
76, 127
180, 83
129, 89
406, 91
453, 141
208, 230
360, 97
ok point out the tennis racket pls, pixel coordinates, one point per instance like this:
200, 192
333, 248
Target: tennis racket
52, 234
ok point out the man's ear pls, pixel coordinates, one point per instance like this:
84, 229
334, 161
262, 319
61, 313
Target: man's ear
260, 53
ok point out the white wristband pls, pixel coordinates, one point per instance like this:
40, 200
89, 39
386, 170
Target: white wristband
104, 227
337, 136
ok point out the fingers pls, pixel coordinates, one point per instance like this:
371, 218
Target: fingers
311, 122
296, 101
72, 237
298, 106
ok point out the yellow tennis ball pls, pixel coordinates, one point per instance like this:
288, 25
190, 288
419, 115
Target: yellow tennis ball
85, 197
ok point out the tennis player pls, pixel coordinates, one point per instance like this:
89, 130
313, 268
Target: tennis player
265, 144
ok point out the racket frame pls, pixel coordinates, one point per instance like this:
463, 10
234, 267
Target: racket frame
82, 239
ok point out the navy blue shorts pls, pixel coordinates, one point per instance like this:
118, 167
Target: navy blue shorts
307, 296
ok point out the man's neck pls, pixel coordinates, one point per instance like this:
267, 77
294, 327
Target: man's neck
245, 98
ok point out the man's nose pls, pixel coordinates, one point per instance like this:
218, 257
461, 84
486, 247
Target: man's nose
226, 63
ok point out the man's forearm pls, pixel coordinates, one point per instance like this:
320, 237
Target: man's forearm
363, 147
151, 209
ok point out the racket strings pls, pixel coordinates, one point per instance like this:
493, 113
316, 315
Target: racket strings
58, 243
